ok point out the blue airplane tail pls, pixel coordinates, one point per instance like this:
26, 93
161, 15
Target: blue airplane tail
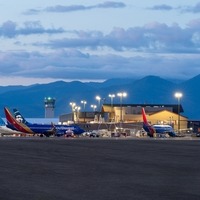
19, 117
2, 123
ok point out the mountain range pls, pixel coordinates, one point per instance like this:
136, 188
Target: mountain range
150, 90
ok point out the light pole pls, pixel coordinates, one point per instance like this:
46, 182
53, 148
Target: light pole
98, 98
94, 107
72, 104
121, 95
111, 103
178, 95
77, 109
84, 102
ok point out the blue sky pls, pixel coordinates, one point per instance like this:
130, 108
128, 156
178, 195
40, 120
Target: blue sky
49, 40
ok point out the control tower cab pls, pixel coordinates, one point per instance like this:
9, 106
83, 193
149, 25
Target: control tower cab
49, 104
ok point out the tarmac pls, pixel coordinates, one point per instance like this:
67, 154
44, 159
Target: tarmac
99, 169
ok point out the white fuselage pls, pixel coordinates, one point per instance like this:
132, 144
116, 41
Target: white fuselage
162, 128
4, 130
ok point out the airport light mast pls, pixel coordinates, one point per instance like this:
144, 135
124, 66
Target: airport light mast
121, 95
94, 107
84, 103
98, 98
111, 104
72, 104
178, 95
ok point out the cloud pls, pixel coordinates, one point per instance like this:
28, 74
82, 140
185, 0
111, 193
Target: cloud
193, 9
196, 8
161, 7
152, 37
182, 9
156, 48
194, 25
74, 64
73, 8
110, 4
10, 29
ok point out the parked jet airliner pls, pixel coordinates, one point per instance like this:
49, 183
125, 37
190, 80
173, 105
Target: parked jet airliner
5, 130
19, 123
159, 129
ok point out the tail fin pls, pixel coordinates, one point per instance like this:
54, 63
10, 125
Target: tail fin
144, 117
146, 126
16, 124
19, 117
2, 123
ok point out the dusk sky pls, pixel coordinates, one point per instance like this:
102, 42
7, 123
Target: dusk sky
49, 40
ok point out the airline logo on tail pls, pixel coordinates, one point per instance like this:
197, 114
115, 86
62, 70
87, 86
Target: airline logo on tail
146, 126
19, 117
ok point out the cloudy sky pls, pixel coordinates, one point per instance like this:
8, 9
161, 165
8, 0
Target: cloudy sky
48, 40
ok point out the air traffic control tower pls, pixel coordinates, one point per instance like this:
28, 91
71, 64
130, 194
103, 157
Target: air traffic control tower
49, 104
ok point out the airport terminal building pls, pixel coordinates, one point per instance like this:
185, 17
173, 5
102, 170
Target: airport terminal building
131, 113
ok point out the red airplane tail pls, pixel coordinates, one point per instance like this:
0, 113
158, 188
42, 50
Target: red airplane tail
14, 123
146, 126
144, 117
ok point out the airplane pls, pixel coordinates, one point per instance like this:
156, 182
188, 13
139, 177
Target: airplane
5, 130
19, 123
156, 129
